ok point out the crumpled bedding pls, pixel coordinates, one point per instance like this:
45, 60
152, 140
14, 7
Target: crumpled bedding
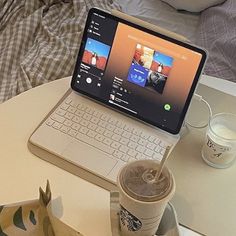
217, 34
39, 40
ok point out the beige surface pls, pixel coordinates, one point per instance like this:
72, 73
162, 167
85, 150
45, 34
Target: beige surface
204, 199
22, 173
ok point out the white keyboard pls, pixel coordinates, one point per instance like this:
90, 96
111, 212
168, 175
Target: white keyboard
105, 132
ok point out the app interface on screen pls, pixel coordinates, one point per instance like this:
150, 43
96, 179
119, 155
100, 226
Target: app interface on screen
136, 71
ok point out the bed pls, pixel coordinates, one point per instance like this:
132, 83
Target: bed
39, 39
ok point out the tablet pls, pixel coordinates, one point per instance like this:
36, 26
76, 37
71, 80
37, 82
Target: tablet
134, 69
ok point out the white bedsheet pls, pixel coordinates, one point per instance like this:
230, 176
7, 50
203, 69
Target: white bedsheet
161, 14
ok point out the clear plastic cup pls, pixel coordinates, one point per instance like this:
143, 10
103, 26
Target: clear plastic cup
142, 199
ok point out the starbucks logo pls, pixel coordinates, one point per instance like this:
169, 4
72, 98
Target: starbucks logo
132, 222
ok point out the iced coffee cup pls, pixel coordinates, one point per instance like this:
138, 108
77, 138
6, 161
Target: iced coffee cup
142, 198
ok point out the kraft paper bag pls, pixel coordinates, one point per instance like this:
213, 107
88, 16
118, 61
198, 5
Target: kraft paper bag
33, 218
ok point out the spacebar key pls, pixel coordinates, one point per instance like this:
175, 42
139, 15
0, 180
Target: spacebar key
94, 143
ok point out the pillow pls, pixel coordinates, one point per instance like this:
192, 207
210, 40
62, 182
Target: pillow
193, 5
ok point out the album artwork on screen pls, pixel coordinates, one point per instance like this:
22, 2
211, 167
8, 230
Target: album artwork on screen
96, 54
149, 68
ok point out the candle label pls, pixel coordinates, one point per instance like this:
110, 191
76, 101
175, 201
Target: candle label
217, 150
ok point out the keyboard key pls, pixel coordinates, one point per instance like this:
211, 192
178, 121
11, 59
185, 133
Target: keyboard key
99, 137
120, 124
116, 137
158, 149
101, 123
151, 138
83, 130
110, 127
87, 116
149, 152
89, 110
108, 133
132, 153
151, 146
118, 154
124, 148
75, 126
49, 122
57, 118
71, 109
157, 141
69, 115
162, 151
144, 135
92, 126
107, 141
84, 122
57, 125
79, 113
134, 138
136, 132
115, 145
118, 131
68, 123
140, 148
61, 112
124, 141
100, 130
112, 121
72, 133
95, 120
64, 129
91, 133
97, 114
126, 134
74, 103
132, 145
125, 158
82, 107
105, 117
142, 142
128, 128
140, 156
76, 119
68, 100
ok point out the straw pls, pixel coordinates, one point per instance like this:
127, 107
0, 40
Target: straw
158, 173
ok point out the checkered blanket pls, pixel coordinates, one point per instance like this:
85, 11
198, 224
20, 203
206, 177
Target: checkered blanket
39, 40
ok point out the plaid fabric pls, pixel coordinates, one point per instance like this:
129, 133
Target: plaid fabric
217, 33
39, 40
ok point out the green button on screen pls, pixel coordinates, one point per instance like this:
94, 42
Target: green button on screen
167, 107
